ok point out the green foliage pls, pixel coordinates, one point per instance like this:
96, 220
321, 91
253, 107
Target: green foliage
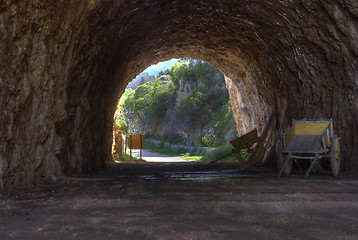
181, 70
188, 71
219, 152
191, 158
194, 110
124, 158
172, 151
209, 140
202, 69
142, 90
162, 100
225, 150
164, 149
197, 99
203, 89
173, 139
164, 72
208, 107
198, 152
121, 125
150, 100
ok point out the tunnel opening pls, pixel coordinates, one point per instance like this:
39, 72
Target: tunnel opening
183, 110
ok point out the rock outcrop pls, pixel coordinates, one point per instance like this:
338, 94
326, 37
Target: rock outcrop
139, 80
183, 117
64, 65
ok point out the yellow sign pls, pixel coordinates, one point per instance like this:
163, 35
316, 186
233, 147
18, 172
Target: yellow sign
136, 141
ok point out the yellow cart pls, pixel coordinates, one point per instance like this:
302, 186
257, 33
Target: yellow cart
309, 141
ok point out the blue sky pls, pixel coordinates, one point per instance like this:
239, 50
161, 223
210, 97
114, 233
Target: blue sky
156, 68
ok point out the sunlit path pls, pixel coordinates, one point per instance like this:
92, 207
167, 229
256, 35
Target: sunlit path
149, 156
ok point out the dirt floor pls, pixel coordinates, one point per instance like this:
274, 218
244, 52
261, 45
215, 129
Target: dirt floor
184, 201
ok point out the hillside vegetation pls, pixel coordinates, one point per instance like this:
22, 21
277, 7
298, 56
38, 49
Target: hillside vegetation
187, 104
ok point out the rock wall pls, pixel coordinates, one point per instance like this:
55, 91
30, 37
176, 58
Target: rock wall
64, 64
49, 60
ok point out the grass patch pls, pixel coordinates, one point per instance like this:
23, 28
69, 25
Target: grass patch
124, 158
219, 152
164, 149
224, 150
191, 158
174, 151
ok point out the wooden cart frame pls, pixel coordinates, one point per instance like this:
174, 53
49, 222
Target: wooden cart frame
252, 145
309, 140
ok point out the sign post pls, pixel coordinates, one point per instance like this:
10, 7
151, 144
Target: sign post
136, 142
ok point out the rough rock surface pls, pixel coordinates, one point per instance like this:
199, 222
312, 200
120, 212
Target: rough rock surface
64, 64
139, 80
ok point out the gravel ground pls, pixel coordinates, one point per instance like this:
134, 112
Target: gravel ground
184, 201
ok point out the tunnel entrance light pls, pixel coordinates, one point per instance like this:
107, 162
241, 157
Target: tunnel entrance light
184, 111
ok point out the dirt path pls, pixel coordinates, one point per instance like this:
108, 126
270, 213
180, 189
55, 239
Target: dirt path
184, 201
156, 157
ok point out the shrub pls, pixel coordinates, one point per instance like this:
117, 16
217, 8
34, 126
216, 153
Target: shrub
219, 152
198, 152
162, 100
209, 140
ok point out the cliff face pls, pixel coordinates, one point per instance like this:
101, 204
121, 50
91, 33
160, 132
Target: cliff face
178, 118
64, 64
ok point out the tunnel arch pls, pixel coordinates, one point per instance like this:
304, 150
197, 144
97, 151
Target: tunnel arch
64, 68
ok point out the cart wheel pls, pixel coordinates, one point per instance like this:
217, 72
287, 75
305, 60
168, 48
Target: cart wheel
335, 156
281, 157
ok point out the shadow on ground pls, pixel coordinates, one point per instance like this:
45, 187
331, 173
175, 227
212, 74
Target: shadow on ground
184, 201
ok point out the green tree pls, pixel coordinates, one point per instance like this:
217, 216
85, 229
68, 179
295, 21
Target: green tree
162, 101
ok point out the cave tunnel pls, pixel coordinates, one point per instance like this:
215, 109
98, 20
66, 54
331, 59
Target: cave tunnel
64, 65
